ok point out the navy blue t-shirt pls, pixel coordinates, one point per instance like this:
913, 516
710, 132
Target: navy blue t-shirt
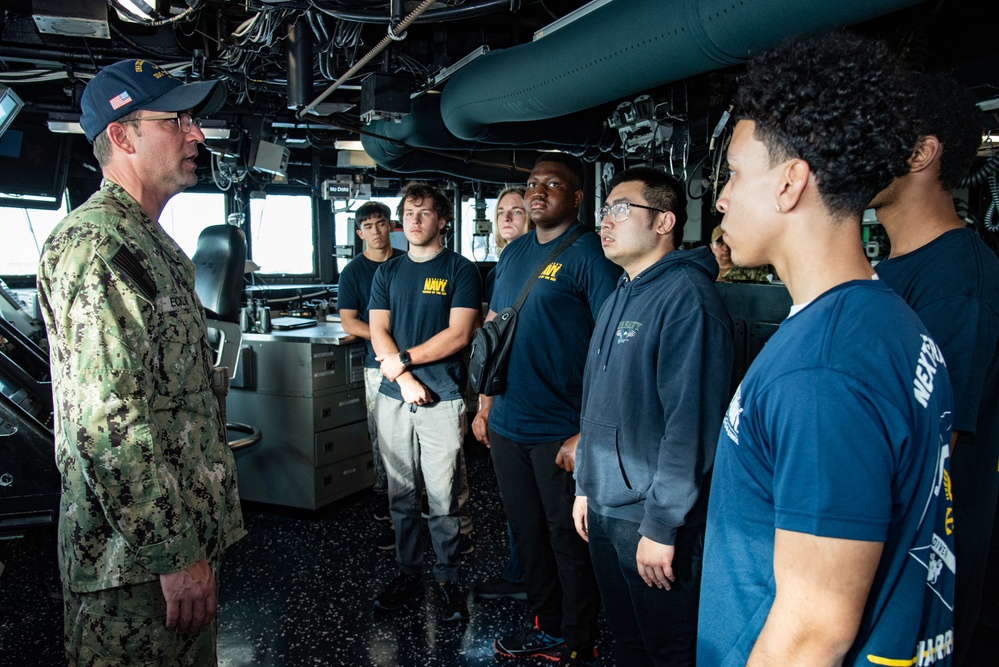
420, 296
841, 428
952, 283
354, 291
544, 383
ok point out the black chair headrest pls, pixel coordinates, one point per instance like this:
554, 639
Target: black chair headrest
218, 270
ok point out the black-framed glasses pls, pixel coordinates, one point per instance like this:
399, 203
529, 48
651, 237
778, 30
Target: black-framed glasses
620, 211
184, 121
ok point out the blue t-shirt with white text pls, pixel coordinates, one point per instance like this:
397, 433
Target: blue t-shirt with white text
840, 429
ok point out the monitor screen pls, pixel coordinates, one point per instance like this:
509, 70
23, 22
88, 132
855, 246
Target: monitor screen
33, 165
10, 104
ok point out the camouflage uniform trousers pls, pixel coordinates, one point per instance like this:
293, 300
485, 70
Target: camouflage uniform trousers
125, 626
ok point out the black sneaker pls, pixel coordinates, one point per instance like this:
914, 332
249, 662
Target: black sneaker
385, 539
381, 511
581, 658
494, 589
465, 545
532, 641
402, 589
453, 602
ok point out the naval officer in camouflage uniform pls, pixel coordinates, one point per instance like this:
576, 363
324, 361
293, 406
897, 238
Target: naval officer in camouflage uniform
148, 482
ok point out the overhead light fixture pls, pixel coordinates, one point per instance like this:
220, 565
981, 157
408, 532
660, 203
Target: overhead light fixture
215, 129
347, 145
65, 123
216, 133
569, 18
354, 160
445, 72
10, 104
136, 11
330, 108
990, 104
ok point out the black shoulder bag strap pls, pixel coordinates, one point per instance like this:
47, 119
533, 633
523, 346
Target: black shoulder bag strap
566, 242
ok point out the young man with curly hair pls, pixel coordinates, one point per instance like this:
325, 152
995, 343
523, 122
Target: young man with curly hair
951, 279
829, 534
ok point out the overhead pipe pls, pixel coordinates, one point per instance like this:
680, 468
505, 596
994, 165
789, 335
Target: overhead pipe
298, 51
421, 143
625, 48
434, 16
424, 127
617, 51
496, 166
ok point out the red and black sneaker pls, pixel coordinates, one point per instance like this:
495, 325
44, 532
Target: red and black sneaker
532, 642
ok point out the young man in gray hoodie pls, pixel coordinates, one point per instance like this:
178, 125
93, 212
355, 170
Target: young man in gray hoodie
657, 379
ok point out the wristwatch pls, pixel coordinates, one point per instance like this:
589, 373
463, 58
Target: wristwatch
405, 359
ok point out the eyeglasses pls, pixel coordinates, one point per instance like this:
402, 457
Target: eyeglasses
184, 121
620, 211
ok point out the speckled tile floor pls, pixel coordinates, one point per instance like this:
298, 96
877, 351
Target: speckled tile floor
297, 591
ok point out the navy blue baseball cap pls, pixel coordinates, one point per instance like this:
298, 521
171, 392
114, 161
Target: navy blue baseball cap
131, 85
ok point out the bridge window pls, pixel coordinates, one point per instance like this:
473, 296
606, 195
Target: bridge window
187, 213
282, 234
24, 231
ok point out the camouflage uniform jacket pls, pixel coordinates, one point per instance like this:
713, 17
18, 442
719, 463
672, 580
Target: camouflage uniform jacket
738, 274
148, 481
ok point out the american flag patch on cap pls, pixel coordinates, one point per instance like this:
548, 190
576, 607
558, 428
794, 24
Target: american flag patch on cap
120, 100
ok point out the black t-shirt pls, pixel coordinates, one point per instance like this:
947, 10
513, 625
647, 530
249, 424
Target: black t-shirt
354, 292
420, 296
952, 283
544, 381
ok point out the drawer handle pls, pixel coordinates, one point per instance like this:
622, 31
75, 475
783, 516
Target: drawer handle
327, 412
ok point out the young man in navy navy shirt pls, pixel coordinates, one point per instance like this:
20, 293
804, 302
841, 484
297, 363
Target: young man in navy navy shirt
657, 380
533, 426
950, 277
373, 221
830, 531
424, 307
